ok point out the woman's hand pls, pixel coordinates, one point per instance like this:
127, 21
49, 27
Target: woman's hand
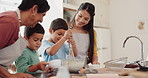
95, 62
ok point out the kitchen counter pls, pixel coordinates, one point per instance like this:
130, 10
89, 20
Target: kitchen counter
125, 73
103, 72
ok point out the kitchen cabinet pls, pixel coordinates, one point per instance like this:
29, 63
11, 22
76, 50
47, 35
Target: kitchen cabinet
103, 44
69, 11
101, 13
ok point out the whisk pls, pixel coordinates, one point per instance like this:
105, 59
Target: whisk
71, 54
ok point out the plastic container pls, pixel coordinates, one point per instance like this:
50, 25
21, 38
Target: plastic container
116, 63
63, 72
94, 67
55, 63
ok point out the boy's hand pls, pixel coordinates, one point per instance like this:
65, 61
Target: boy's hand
71, 40
42, 65
68, 34
48, 69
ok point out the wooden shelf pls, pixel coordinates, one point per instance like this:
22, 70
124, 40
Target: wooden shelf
69, 7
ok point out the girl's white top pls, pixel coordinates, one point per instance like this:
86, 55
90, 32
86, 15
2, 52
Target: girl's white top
82, 44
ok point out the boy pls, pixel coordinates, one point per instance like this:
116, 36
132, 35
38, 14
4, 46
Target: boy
29, 62
54, 47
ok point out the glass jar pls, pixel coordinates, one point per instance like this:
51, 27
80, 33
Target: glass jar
63, 72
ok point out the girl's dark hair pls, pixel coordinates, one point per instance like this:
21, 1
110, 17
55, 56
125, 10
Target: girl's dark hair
30, 31
43, 5
58, 23
90, 8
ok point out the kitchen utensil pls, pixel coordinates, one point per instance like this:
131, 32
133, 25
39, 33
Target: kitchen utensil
94, 67
116, 63
71, 55
142, 68
73, 65
55, 63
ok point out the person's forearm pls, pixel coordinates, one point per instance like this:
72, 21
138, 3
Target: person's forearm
4, 73
54, 49
33, 68
95, 58
75, 51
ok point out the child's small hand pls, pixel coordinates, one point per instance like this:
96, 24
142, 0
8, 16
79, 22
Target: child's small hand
42, 65
74, 49
68, 34
48, 69
71, 41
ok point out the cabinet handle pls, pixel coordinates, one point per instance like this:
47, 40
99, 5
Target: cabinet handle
104, 48
98, 48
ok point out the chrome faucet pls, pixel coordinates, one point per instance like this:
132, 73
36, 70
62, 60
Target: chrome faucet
142, 57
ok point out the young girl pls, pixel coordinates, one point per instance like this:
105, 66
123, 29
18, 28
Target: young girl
84, 34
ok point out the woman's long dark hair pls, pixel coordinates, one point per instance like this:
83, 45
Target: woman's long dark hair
89, 27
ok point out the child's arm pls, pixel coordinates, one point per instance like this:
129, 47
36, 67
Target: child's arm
54, 49
23, 64
39, 66
74, 48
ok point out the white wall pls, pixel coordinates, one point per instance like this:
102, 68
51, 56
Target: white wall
12, 1
124, 18
56, 11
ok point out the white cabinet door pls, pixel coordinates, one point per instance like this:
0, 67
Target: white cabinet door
104, 45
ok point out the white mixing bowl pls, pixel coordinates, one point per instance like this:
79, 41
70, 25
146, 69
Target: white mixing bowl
73, 65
